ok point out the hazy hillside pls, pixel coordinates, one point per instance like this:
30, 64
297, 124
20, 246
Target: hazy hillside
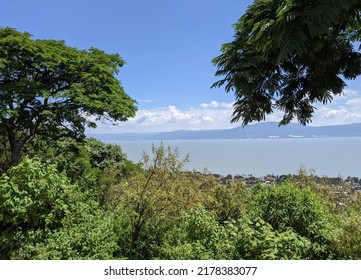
259, 130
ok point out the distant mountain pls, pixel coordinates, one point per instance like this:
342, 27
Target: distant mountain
259, 130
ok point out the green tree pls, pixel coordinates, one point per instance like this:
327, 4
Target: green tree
48, 88
43, 216
287, 207
288, 55
33, 198
4, 153
90, 164
154, 198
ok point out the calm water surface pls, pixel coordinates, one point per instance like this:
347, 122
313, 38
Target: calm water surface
328, 156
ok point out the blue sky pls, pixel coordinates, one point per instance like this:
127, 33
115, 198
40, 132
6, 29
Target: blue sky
168, 47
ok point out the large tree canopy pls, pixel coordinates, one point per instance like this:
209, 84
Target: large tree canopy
288, 55
47, 87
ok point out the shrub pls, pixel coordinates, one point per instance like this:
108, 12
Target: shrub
197, 235
228, 200
154, 198
42, 215
254, 238
347, 235
287, 207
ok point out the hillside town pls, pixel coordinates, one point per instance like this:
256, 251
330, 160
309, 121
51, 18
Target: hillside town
353, 183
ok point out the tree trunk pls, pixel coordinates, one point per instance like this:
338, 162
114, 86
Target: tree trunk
16, 147
17, 141
16, 154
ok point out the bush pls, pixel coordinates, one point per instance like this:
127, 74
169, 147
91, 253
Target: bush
301, 210
90, 163
256, 239
228, 200
347, 241
155, 197
197, 236
42, 215
88, 234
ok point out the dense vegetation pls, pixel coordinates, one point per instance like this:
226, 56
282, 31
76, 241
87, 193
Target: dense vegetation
85, 200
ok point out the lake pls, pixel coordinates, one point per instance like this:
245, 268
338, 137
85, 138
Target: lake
330, 157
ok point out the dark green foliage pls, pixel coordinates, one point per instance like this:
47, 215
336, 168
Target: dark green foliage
91, 164
109, 159
4, 154
288, 55
104, 155
50, 89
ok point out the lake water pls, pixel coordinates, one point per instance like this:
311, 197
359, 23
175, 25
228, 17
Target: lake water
328, 156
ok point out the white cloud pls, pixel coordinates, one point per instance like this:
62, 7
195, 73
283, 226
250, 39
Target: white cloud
207, 116
208, 119
227, 105
213, 104
349, 112
215, 115
147, 100
355, 102
347, 94
343, 109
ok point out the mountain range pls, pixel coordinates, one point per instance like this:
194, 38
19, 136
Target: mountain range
258, 130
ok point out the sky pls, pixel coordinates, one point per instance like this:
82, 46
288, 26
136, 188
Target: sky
168, 47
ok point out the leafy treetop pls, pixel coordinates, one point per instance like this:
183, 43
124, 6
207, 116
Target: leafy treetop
48, 88
288, 55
